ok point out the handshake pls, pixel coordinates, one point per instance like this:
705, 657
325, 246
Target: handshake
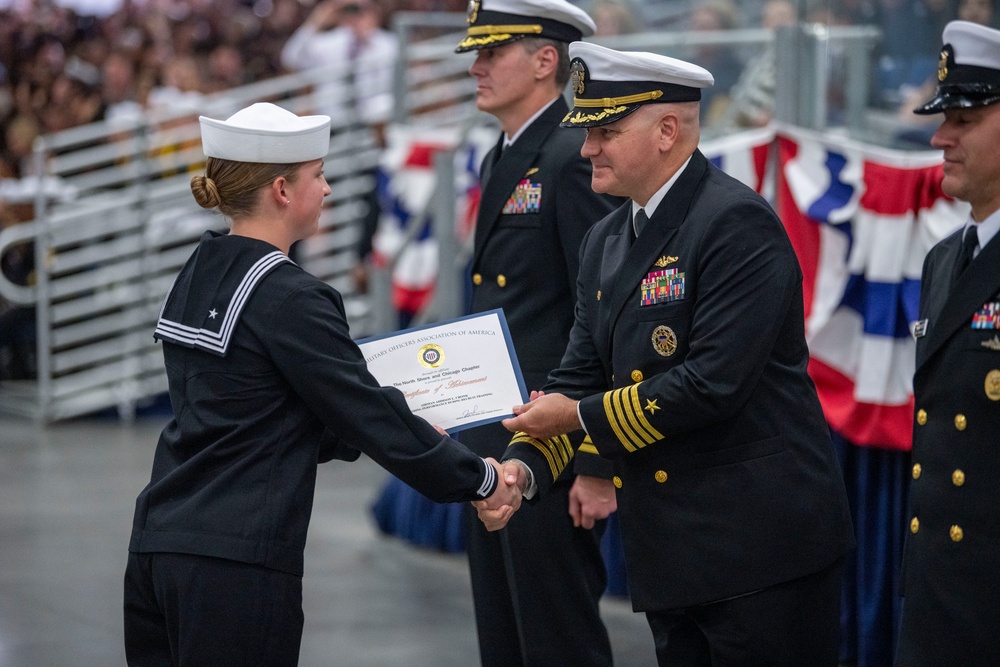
544, 416
497, 510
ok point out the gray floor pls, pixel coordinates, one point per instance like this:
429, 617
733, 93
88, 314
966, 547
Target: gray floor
66, 500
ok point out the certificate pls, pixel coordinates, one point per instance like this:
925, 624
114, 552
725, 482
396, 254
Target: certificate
456, 374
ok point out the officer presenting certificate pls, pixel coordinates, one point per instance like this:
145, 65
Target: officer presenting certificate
456, 375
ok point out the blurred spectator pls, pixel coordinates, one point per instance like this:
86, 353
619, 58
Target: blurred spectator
119, 92
181, 85
857, 12
977, 11
350, 32
614, 17
19, 136
752, 97
226, 68
911, 35
719, 59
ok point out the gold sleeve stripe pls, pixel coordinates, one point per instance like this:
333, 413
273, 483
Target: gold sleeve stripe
524, 437
558, 451
561, 448
625, 419
609, 412
587, 446
637, 410
517, 29
567, 447
615, 101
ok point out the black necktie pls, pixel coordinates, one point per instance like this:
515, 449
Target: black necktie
487, 167
639, 222
969, 244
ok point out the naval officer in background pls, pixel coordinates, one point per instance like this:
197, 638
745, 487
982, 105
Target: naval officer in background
951, 582
537, 584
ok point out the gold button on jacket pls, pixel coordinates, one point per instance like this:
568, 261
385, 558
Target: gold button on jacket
956, 533
502, 280
661, 476
477, 279
916, 470
958, 478
960, 422
914, 524
921, 417
636, 376
617, 481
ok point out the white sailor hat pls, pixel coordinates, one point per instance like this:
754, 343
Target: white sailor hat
265, 132
968, 70
609, 85
497, 22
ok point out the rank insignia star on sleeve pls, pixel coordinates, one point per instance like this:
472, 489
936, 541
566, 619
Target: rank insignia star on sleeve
652, 406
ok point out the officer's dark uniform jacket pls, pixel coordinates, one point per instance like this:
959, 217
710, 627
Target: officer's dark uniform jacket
727, 478
265, 383
951, 578
537, 205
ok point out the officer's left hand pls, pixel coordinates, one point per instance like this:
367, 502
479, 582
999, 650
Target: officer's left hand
591, 499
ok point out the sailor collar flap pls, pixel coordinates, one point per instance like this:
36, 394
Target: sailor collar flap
204, 304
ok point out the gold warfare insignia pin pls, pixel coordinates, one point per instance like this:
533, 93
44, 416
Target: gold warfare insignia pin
664, 341
533, 170
992, 343
993, 385
578, 75
472, 13
431, 355
666, 261
943, 63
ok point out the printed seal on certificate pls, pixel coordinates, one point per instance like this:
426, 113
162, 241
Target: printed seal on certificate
456, 374
431, 355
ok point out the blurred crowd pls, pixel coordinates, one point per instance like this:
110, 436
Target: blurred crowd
60, 68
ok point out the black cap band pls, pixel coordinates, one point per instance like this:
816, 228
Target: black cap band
616, 90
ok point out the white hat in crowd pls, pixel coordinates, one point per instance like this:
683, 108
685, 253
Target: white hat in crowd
968, 70
497, 22
265, 132
609, 85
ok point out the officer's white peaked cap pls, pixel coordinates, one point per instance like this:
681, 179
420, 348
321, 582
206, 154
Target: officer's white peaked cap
494, 23
968, 69
608, 85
